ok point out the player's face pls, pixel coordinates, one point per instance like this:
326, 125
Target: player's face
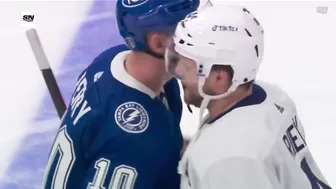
185, 70
218, 82
187, 73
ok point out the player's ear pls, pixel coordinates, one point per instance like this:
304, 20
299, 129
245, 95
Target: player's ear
218, 75
156, 41
221, 80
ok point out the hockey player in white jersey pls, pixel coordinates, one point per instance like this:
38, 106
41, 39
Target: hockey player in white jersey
252, 137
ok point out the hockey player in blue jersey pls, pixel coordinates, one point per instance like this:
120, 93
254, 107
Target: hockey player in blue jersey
120, 131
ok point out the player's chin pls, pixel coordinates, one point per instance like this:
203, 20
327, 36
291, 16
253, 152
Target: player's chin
190, 98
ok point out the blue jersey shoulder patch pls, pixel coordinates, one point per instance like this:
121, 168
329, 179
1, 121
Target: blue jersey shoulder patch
132, 117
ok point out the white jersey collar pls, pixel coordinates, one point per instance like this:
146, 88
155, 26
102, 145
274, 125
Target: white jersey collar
119, 73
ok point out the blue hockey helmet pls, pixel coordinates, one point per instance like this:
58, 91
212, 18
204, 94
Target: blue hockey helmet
135, 18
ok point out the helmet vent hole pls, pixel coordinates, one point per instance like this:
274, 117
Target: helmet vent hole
257, 50
256, 21
189, 35
190, 44
245, 10
248, 33
181, 41
183, 24
211, 43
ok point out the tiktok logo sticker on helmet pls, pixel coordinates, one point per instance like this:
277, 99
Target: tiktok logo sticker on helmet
133, 3
131, 117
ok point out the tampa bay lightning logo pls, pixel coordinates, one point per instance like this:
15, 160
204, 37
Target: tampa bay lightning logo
133, 3
131, 117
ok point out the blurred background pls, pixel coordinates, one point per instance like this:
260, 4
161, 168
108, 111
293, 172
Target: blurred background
299, 57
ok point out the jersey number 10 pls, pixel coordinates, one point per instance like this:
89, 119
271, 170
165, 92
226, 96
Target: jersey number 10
63, 153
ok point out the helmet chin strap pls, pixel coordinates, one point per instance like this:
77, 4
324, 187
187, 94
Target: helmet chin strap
208, 98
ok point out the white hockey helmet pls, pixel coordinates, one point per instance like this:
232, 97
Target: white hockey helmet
219, 35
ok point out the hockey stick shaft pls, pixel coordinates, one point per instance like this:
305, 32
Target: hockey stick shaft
46, 71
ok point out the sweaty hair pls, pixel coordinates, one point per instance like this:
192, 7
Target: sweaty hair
229, 70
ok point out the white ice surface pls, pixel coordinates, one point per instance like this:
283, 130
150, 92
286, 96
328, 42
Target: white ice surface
21, 82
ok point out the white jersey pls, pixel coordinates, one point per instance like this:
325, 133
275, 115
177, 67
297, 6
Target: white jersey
258, 144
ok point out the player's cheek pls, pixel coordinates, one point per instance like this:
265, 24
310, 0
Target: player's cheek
187, 98
189, 90
192, 76
185, 91
186, 95
179, 71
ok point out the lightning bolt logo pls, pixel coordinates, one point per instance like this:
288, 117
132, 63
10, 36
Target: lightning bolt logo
132, 116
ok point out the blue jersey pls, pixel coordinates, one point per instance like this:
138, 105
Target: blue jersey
116, 132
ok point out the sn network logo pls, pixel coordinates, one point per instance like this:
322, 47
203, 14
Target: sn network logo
27, 18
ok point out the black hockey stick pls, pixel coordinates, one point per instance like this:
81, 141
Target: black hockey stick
46, 71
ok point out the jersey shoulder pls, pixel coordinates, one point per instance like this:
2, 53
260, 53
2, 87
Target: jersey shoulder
106, 86
269, 106
106, 102
276, 95
249, 129
101, 63
87, 98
